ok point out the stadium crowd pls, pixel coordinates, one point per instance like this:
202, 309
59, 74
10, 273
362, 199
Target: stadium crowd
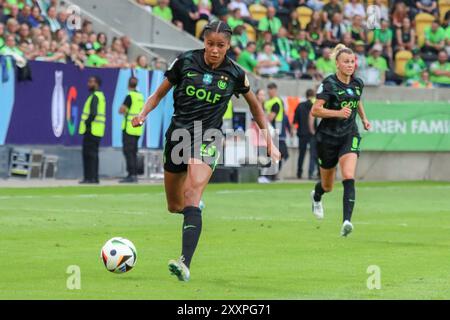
279, 38
39, 30
273, 38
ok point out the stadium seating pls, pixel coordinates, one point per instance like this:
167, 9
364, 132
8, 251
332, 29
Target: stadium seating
199, 26
444, 6
257, 11
385, 2
401, 58
304, 16
423, 20
251, 32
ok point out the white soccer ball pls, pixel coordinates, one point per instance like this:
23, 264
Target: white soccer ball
119, 255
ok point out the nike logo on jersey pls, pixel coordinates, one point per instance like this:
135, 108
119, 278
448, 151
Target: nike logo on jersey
189, 227
341, 92
192, 74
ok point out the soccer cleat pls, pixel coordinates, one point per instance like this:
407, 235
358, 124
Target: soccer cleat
179, 269
201, 205
347, 228
317, 207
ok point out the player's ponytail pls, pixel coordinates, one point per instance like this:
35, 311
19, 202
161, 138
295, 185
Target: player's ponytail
340, 49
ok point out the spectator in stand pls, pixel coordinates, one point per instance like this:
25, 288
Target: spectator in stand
10, 49
116, 54
384, 37
235, 19
219, 8
399, 13
360, 54
440, 71
238, 41
303, 65
405, 36
270, 23
269, 62
294, 26
24, 34
266, 38
204, 8
314, 32
102, 39
414, 68
24, 14
242, 6
325, 65
142, 63
283, 49
428, 6
447, 31
2, 34
35, 19
354, 8
86, 27
334, 31
126, 43
330, 9
378, 62
186, 12
423, 82
162, 10
284, 9
316, 5
52, 19
356, 29
302, 42
383, 10
434, 38
77, 56
98, 59
247, 58
347, 40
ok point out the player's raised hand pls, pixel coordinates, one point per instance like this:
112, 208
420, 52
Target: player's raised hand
345, 113
138, 121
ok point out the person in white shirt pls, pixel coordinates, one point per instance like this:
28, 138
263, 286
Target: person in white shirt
241, 5
269, 62
354, 8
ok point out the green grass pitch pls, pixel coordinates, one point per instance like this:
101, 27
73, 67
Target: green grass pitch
258, 242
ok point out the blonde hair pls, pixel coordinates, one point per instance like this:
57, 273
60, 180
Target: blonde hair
338, 50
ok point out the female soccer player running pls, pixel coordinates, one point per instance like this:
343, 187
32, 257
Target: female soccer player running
204, 82
338, 102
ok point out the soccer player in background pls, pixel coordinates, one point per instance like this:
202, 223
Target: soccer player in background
204, 81
338, 141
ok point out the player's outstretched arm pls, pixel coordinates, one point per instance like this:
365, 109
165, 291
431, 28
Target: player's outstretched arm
260, 118
362, 115
152, 103
319, 111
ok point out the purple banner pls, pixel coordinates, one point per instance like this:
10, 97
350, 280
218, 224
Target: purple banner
47, 110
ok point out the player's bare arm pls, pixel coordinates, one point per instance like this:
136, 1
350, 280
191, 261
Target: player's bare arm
152, 103
260, 118
319, 111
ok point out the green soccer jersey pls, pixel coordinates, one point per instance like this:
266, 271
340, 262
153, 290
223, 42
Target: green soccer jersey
436, 36
164, 13
247, 61
326, 66
201, 93
414, 68
379, 63
233, 22
273, 25
95, 60
442, 67
338, 95
383, 36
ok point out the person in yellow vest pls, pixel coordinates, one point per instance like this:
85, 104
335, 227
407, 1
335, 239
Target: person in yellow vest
227, 122
92, 127
131, 107
274, 108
